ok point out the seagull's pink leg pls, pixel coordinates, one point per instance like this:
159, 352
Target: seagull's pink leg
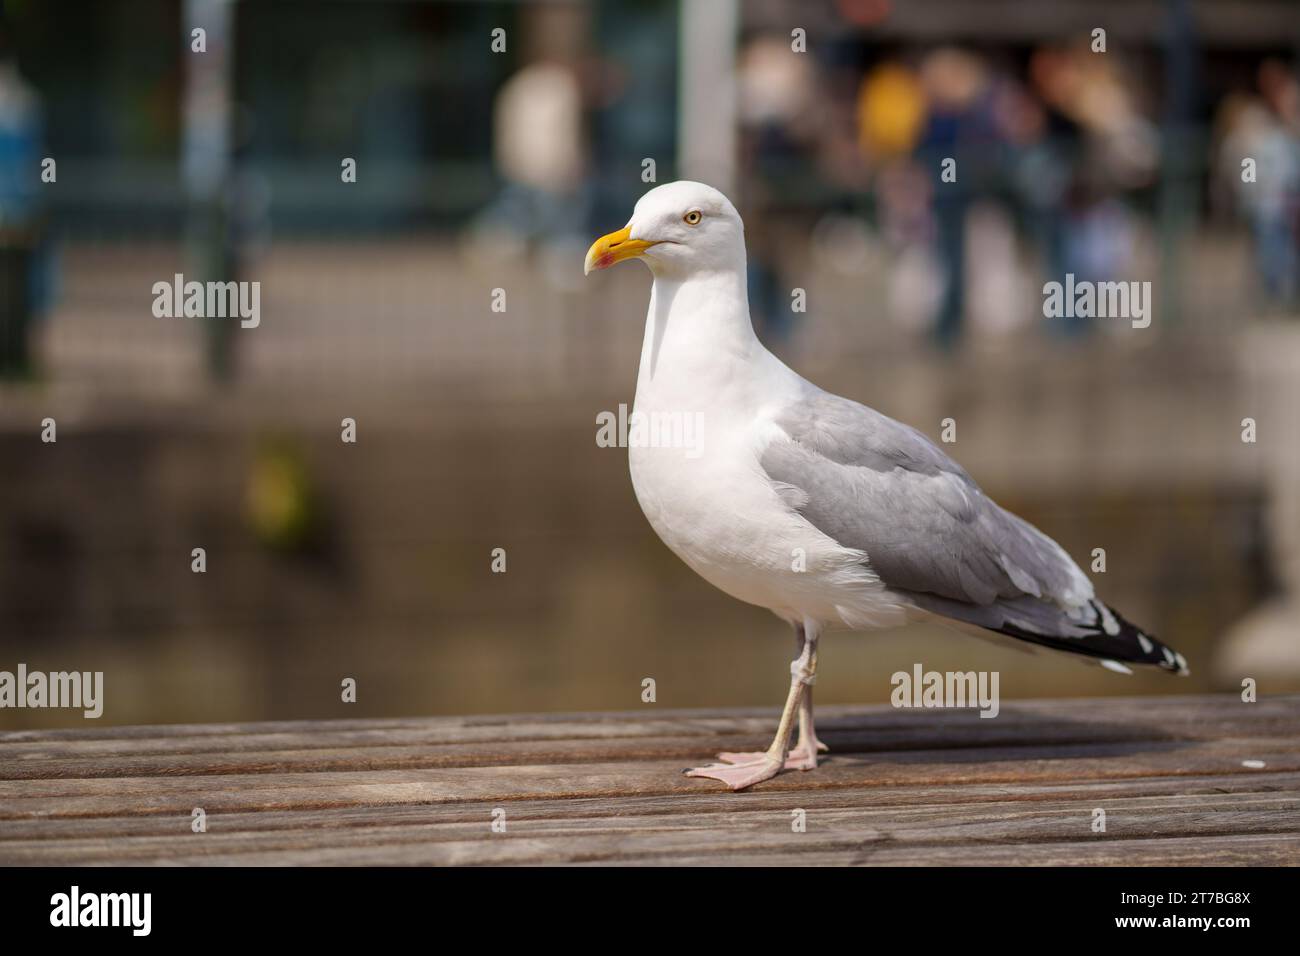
809, 746
741, 770
804, 754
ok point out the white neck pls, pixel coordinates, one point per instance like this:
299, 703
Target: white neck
698, 334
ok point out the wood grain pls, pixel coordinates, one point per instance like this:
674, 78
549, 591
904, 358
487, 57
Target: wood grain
938, 787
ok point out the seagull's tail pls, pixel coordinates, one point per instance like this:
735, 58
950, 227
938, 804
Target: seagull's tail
1093, 630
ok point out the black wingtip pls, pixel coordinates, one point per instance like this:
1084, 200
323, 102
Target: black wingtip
1110, 637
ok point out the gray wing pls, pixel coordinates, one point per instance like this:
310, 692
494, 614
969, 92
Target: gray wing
879, 486
935, 540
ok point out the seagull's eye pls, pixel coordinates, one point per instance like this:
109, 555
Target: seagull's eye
693, 217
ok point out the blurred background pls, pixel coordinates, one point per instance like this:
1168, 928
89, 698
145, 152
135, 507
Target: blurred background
490, 161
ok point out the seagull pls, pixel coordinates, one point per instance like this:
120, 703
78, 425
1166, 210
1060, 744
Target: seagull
825, 511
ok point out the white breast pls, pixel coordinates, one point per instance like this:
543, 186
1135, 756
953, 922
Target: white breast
711, 501
715, 507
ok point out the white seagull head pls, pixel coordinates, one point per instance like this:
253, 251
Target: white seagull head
678, 229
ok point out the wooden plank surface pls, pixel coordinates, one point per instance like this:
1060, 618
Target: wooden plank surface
1182, 781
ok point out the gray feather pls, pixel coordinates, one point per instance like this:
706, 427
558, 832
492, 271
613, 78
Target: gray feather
935, 540
879, 486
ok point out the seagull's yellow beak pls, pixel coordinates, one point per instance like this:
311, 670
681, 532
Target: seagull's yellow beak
615, 247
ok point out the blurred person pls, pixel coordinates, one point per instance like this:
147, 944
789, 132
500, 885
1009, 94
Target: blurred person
956, 85
539, 149
891, 112
1051, 146
1265, 129
776, 96
24, 252
903, 193
1091, 143
779, 127
1099, 242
